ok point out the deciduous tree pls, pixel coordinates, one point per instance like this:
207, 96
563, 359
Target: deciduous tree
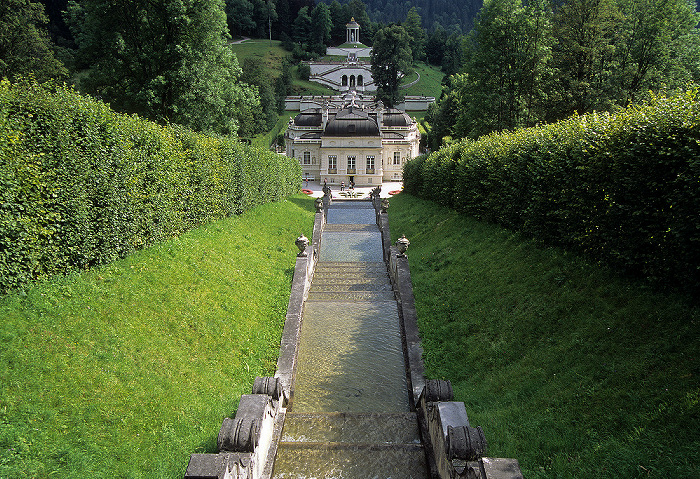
239, 14
254, 74
24, 42
507, 59
655, 35
584, 54
391, 58
167, 60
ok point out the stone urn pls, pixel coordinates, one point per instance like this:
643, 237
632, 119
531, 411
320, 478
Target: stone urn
302, 242
402, 245
385, 205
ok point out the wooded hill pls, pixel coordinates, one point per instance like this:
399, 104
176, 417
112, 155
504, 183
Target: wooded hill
448, 14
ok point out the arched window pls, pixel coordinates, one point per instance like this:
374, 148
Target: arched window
352, 81
345, 80
359, 80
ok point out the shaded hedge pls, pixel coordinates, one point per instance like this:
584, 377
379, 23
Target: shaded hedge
623, 188
81, 185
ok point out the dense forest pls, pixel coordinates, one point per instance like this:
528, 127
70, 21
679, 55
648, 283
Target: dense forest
507, 64
541, 61
452, 16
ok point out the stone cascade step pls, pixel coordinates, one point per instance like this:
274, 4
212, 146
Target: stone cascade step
351, 428
350, 414
350, 446
351, 281
337, 267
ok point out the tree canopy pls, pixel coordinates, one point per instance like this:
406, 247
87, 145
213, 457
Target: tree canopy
25, 47
415, 30
391, 58
168, 61
543, 60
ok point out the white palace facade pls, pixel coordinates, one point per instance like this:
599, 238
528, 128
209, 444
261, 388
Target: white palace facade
347, 139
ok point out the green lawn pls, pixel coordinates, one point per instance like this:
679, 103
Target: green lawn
126, 370
271, 53
569, 368
430, 83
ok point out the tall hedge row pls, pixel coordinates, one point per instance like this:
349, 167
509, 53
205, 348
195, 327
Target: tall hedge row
81, 185
623, 188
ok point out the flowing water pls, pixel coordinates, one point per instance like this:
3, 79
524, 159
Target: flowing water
350, 414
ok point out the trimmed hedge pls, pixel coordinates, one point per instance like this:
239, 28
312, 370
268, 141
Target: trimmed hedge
623, 188
81, 185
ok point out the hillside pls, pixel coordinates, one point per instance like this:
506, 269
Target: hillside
572, 369
128, 369
443, 12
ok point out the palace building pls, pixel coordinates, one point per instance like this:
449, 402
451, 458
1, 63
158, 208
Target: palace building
348, 139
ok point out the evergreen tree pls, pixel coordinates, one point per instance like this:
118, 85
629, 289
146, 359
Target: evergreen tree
358, 10
442, 115
435, 46
283, 25
453, 54
414, 28
391, 58
340, 16
24, 42
239, 14
283, 86
321, 21
168, 61
302, 27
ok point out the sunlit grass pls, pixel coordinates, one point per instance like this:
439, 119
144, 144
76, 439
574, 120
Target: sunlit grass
271, 53
126, 370
568, 367
430, 83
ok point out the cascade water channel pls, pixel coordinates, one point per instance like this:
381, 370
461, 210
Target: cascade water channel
350, 416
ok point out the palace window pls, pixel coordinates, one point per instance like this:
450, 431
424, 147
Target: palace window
332, 164
351, 165
370, 164
307, 158
397, 157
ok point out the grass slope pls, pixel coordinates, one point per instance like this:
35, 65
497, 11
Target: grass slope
574, 371
272, 56
126, 370
271, 53
430, 83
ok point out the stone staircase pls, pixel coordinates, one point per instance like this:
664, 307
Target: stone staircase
350, 417
351, 281
351, 446
349, 399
